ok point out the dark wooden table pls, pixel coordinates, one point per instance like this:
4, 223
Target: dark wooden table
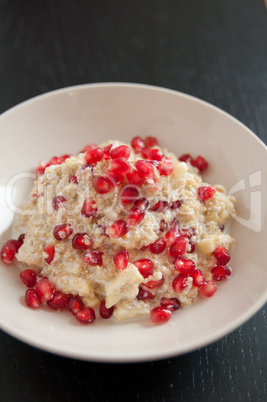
215, 50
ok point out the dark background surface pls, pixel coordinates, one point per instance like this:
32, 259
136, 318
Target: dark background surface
215, 50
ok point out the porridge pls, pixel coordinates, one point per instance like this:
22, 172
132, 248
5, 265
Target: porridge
127, 230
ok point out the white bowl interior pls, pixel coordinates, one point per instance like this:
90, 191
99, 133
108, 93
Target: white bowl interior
66, 120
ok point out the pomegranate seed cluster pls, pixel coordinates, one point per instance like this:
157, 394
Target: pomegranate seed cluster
124, 231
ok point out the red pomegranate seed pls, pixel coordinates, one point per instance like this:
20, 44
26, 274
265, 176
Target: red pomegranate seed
89, 208
145, 169
62, 232
73, 179
64, 157
142, 203
86, 315
174, 222
144, 248
121, 259
176, 204
165, 166
220, 273
45, 289
89, 166
104, 312
208, 289
58, 301
89, 147
107, 149
49, 251
137, 144
160, 206
9, 250
192, 247
171, 303
158, 246
178, 248
155, 154
135, 178
222, 256
198, 278
200, 163
145, 267
151, 141
136, 215
120, 165
154, 284
93, 258
57, 201
172, 235
186, 158
81, 241
188, 232
179, 283
94, 155
128, 194
121, 151
118, 229
41, 168
145, 294
115, 178
145, 153
184, 265
21, 238
206, 192
101, 185
32, 298
28, 277
163, 225
54, 161
75, 304
160, 315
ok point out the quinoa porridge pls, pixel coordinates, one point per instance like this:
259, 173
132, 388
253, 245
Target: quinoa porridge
127, 230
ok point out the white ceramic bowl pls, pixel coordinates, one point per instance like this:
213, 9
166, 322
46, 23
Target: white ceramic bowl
63, 121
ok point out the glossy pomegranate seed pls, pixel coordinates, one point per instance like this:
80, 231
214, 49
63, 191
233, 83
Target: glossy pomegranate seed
220, 273
9, 250
154, 284
151, 141
134, 177
192, 247
120, 165
165, 166
222, 256
128, 195
102, 185
178, 248
93, 258
121, 259
184, 265
63, 158
145, 169
163, 225
121, 151
45, 289
188, 232
137, 144
145, 267
115, 178
32, 298
94, 155
21, 238
28, 277
198, 278
208, 289
160, 206
200, 163
107, 150
57, 201
142, 203
62, 232
172, 235
179, 283
160, 315
75, 304
88, 166
145, 153
186, 158
73, 179
158, 246
58, 301
206, 192
41, 168
118, 229
145, 295
155, 154
176, 204
89, 208
86, 315
104, 312
171, 303
81, 241
49, 253
136, 215
89, 147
